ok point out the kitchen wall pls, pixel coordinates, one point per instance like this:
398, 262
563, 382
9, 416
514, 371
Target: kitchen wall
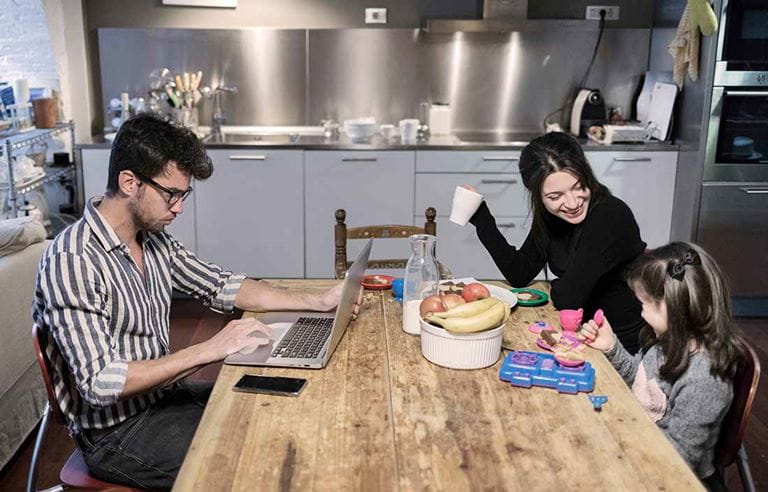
494, 81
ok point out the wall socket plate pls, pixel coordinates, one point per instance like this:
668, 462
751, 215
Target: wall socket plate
611, 12
375, 16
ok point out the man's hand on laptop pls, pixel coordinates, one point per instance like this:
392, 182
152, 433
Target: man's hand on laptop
331, 297
241, 335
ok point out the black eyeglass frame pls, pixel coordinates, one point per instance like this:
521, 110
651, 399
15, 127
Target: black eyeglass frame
173, 196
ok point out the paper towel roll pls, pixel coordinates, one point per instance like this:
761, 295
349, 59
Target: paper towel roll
21, 91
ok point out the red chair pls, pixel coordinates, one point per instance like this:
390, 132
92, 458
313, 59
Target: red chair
75, 471
730, 447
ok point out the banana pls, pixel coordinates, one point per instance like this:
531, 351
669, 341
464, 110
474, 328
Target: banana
507, 312
490, 318
469, 309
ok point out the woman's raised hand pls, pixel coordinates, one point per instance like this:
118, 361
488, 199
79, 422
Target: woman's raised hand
469, 187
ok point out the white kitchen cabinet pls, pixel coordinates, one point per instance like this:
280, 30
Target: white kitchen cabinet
504, 193
250, 212
467, 161
463, 253
646, 183
373, 187
95, 165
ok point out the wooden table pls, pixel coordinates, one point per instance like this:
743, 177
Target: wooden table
381, 417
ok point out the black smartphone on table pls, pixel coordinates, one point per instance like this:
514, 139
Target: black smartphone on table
271, 385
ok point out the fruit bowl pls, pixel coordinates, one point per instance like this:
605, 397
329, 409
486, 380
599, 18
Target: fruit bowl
461, 350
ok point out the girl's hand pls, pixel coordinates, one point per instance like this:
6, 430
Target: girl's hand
469, 187
599, 337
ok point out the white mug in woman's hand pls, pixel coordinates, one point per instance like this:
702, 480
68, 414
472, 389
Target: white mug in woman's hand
466, 201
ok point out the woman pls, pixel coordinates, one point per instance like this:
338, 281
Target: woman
586, 235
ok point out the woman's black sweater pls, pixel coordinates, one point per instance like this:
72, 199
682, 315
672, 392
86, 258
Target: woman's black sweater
590, 260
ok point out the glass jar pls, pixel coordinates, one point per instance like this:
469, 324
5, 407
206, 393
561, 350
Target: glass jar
421, 280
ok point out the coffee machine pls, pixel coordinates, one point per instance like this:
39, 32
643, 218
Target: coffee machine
588, 109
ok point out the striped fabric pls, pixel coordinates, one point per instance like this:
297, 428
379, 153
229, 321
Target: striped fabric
98, 312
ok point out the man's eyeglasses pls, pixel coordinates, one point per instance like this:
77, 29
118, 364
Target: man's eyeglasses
171, 196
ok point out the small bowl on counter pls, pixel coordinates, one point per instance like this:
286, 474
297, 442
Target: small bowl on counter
360, 129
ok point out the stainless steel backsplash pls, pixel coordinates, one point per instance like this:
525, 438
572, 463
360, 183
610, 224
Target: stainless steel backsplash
493, 81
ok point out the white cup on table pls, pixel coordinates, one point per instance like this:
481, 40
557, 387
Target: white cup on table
409, 130
465, 204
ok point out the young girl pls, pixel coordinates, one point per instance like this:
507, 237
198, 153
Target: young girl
691, 349
585, 235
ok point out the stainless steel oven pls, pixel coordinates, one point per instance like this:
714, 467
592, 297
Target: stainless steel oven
742, 54
737, 140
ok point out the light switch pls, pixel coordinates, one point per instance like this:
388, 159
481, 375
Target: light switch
376, 16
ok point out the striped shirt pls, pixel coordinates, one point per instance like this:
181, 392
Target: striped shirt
97, 312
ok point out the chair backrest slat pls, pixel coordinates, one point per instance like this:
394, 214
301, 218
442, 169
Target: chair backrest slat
46, 369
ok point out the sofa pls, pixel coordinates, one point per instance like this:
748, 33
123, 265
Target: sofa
22, 392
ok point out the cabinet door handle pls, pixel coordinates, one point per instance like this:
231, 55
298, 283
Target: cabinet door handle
359, 159
746, 93
492, 158
506, 225
755, 191
498, 181
247, 158
632, 159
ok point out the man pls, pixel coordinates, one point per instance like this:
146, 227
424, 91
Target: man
103, 298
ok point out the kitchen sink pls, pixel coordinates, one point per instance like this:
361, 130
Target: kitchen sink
266, 135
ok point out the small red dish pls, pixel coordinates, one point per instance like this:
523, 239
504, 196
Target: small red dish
377, 282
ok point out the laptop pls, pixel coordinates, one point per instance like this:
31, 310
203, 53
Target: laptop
307, 339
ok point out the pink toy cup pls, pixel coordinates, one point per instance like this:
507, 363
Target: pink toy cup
570, 319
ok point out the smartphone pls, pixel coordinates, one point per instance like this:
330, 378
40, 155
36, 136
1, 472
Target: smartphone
271, 385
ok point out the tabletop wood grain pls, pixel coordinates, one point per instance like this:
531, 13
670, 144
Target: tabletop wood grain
382, 417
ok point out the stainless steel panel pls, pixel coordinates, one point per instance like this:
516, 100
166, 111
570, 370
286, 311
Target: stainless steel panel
267, 65
732, 228
739, 78
493, 81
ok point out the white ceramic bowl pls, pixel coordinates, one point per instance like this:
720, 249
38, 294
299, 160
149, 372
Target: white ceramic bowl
360, 128
457, 351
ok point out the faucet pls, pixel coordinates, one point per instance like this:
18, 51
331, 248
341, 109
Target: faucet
218, 114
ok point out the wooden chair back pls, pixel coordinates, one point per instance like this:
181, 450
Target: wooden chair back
736, 420
389, 231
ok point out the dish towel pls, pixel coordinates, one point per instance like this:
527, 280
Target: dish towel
698, 17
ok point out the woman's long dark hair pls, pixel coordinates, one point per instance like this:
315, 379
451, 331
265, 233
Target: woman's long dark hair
697, 297
543, 156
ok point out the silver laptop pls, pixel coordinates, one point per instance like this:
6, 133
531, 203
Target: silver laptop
308, 339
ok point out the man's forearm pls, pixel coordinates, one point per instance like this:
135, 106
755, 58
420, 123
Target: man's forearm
262, 296
147, 375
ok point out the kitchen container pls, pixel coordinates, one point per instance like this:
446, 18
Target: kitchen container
421, 280
440, 119
360, 128
460, 351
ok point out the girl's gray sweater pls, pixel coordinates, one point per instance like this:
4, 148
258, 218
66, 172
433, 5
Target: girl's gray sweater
689, 410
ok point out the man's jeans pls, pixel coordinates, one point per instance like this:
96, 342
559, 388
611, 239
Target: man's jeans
147, 450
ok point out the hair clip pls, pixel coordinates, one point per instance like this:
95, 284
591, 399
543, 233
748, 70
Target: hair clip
676, 269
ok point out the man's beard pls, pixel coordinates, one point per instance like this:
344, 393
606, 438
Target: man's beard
140, 220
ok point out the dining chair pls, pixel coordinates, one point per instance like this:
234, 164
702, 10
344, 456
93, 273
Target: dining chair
730, 446
389, 231
74, 473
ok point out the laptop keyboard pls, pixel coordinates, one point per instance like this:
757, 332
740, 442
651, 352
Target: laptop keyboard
304, 339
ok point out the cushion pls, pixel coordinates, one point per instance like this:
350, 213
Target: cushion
17, 234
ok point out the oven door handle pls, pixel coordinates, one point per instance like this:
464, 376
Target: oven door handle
747, 93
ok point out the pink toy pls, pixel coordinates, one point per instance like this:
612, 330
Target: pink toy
538, 326
599, 317
570, 319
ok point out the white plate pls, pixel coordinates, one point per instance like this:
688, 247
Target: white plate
502, 294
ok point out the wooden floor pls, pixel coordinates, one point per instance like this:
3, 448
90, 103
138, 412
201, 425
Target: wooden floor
191, 323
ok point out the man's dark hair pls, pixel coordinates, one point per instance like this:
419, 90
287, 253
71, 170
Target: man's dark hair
146, 144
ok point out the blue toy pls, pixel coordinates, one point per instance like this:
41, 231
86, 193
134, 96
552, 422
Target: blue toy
597, 401
526, 369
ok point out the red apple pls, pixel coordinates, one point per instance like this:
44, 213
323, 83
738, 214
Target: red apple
475, 291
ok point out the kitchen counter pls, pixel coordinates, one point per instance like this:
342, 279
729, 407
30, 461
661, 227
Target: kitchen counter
470, 141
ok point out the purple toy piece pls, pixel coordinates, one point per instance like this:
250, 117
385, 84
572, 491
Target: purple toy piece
523, 358
541, 343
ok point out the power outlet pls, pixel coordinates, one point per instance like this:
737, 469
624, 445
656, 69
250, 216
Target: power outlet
376, 16
611, 12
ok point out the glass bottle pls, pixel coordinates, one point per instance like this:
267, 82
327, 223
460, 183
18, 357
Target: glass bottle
421, 280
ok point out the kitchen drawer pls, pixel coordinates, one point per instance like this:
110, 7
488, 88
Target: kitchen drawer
459, 161
463, 253
505, 193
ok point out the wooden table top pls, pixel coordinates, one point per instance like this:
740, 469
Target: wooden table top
382, 417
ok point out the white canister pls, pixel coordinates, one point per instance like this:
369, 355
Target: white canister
440, 119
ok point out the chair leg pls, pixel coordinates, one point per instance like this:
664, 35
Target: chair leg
744, 472
32, 475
